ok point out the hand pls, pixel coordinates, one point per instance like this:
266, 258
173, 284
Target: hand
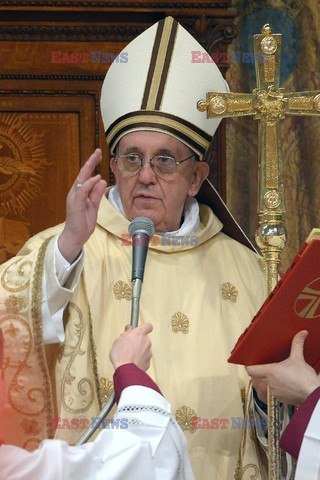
133, 346
290, 381
82, 208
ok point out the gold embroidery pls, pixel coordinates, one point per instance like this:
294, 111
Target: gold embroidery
84, 390
253, 475
38, 335
93, 349
9, 279
122, 290
22, 398
12, 330
229, 292
106, 389
31, 427
15, 303
240, 470
184, 416
31, 444
180, 323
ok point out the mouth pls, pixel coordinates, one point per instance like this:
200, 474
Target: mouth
145, 197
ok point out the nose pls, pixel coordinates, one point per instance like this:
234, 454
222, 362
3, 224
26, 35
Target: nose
146, 174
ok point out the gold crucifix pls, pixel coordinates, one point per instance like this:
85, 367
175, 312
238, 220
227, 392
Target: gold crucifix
268, 104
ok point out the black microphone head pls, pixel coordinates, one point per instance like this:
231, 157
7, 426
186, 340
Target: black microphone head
141, 225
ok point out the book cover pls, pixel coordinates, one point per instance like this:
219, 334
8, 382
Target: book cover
293, 305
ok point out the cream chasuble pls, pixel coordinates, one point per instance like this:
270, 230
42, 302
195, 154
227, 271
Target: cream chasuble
199, 296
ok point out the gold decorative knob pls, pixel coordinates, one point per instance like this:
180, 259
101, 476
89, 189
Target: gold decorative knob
202, 105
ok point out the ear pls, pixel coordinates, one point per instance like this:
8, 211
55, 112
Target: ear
200, 173
113, 166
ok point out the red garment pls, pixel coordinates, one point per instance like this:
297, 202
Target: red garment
292, 437
128, 375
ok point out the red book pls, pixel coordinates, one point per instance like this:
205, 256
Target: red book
293, 305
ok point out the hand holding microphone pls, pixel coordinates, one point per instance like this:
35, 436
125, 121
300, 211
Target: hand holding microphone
132, 346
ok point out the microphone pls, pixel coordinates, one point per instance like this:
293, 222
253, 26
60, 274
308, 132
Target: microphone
140, 229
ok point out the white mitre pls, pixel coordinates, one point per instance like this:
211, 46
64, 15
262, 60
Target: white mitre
158, 89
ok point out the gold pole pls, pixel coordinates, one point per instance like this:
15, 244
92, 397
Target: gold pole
269, 105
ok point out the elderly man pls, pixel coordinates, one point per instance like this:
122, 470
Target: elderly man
71, 284
136, 444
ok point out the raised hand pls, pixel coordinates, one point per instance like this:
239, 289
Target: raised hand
83, 202
290, 381
133, 346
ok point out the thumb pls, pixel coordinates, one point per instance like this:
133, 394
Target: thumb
297, 345
146, 328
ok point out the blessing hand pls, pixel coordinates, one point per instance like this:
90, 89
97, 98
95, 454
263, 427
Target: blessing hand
83, 202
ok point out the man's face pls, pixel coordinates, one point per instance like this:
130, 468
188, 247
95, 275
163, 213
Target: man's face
159, 198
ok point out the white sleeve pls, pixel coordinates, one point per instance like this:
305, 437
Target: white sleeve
308, 466
60, 279
142, 442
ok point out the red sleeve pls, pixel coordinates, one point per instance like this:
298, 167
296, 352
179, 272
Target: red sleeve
129, 374
292, 437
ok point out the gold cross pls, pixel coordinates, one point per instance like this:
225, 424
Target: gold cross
268, 104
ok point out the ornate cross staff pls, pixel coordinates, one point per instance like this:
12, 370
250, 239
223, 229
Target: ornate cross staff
269, 104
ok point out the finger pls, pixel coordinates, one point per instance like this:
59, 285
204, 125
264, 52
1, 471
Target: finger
87, 169
86, 188
97, 192
258, 371
127, 328
146, 328
298, 344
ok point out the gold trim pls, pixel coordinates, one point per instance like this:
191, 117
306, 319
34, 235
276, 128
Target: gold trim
300, 103
160, 120
269, 68
93, 349
36, 318
157, 75
272, 167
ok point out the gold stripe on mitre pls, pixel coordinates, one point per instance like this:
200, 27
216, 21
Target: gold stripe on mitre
159, 64
159, 121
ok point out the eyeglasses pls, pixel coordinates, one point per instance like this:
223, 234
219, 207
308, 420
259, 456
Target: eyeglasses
162, 165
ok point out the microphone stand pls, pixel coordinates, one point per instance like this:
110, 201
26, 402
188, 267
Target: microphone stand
136, 292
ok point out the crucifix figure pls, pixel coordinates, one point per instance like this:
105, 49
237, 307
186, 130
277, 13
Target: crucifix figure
268, 104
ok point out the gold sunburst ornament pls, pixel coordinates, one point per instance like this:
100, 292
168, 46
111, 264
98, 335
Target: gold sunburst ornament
22, 164
229, 292
184, 416
180, 323
106, 388
122, 290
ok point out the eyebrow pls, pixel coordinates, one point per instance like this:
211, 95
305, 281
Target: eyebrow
161, 151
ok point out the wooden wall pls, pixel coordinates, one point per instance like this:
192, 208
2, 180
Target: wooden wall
49, 109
